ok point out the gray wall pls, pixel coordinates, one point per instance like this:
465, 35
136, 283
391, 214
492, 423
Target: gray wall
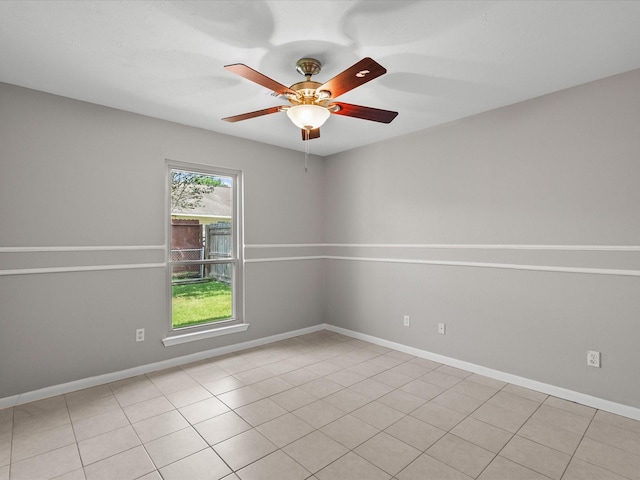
73, 174
560, 170
459, 211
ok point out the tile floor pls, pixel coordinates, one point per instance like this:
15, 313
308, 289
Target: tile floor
320, 406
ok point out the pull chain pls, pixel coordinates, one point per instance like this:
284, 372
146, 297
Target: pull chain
306, 150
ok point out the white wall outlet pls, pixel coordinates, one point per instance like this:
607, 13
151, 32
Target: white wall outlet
593, 359
442, 328
407, 321
140, 335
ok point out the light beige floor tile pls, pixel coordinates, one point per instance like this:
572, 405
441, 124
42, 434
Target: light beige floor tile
416, 433
275, 465
562, 419
411, 370
350, 467
424, 362
148, 408
324, 368
618, 421
223, 385
203, 410
300, 376
571, 407
259, 412
27, 420
438, 416
99, 424
281, 367
386, 361
378, 415
78, 475
489, 382
456, 372
254, 375
462, 455
172, 380
188, 396
350, 431
271, 386
346, 378
240, 397
93, 407
4, 473
135, 390
387, 453
614, 436
315, 451
293, 399
581, 470
392, 378
5, 450
610, 458
550, 435
482, 434
502, 469
30, 444
532, 395
474, 389
535, 456
222, 427
205, 373
426, 467
285, 429
347, 400
371, 388
515, 403
319, 413
321, 387
107, 444
124, 466
51, 464
422, 389
160, 425
175, 446
88, 394
500, 417
457, 401
243, 449
155, 475
402, 401
441, 379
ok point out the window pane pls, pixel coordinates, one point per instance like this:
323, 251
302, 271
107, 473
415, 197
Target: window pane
201, 231
199, 298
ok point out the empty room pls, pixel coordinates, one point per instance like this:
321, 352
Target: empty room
324, 240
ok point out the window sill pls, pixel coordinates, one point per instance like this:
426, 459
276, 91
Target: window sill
214, 332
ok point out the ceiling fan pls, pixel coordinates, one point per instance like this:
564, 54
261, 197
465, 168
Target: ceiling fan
311, 103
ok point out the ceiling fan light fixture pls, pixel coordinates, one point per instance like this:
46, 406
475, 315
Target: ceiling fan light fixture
308, 117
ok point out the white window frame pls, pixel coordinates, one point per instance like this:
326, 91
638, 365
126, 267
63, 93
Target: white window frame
236, 322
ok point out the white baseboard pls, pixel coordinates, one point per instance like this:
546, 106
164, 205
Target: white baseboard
588, 400
83, 383
581, 398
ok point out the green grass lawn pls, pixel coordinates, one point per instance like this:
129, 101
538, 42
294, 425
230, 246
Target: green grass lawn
195, 303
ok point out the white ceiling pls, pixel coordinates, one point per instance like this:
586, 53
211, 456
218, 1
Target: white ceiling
445, 60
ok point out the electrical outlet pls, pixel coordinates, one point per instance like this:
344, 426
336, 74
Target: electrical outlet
441, 328
593, 359
407, 321
140, 335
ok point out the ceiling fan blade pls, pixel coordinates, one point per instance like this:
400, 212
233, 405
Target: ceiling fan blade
257, 77
257, 113
313, 133
362, 72
365, 113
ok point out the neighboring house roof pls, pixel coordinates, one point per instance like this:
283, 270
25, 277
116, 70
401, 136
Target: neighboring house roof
215, 204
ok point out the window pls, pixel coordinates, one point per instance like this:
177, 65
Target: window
205, 250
